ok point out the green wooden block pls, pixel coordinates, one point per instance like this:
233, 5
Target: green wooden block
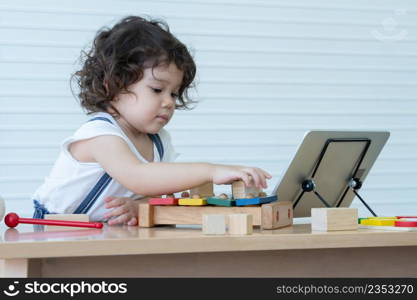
220, 202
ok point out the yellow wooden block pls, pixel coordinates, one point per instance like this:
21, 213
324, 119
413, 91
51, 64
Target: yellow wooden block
378, 222
192, 201
382, 218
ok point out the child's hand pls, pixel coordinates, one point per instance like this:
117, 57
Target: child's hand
125, 211
251, 176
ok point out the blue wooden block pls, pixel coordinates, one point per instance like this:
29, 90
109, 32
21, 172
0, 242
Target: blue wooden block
255, 201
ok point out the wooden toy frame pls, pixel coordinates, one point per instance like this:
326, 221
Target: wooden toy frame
271, 215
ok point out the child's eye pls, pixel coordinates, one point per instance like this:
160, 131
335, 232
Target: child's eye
173, 95
156, 90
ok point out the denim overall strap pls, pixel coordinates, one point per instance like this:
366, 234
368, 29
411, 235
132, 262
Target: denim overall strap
101, 184
156, 139
104, 181
40, 210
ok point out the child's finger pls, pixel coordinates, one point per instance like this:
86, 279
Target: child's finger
119, 220
108, 199
133, 221
255, 177
116, 212
267, 175
115, 202
245, 178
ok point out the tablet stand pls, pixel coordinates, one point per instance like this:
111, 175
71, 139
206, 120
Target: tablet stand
354, 183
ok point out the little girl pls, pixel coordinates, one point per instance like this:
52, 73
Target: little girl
134, 77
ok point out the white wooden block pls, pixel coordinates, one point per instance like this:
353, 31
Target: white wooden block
66, 217
214, 224
240, 223
333, 219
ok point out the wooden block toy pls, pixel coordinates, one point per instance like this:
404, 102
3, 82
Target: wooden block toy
66, 217
240, 190
220, 202
163, 201
146, 214
406, 222
277, 214
188, 215
192, 201
378, 222
333, 219
214, 224
204, 191
264, 215
240, 224
254, 201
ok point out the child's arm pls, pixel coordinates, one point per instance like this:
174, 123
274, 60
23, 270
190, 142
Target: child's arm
116, 158
114, 155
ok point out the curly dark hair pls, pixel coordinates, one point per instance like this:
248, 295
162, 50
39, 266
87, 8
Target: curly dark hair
119, 56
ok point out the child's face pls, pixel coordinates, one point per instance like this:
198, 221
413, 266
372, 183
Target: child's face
152, 103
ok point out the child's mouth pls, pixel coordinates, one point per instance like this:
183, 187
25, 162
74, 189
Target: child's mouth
164, 118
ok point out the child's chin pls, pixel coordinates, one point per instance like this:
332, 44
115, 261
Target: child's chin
155, 129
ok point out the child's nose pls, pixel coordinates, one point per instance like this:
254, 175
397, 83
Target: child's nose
168, 101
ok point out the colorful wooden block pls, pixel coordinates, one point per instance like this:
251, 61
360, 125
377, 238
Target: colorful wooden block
66, 217
163, 201
220, 202
205, 190
240, 224
277, 214
192, 201
406, 222
333, 219
255, 201
378, 222
214, 224
240, 190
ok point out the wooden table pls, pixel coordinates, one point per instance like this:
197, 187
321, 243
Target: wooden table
122, 251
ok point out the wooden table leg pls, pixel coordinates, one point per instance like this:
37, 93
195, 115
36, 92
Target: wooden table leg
20, 267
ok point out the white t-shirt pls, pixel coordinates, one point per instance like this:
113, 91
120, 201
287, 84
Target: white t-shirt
70, 181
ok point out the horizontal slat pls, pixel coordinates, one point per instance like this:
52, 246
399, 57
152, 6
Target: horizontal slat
15, 28
45, 62
329, 6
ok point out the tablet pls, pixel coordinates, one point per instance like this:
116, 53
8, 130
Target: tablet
331, 159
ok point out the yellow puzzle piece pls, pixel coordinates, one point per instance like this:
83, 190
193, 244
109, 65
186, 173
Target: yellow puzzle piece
192, 201
382, 218
378, 222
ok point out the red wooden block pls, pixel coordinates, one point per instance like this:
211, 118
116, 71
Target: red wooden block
163, 201
405, 224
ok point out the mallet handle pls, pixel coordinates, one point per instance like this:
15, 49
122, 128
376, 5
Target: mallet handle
61, 223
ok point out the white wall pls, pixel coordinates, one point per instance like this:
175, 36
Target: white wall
267, 72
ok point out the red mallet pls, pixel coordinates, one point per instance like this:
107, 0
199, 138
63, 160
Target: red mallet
13, 219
